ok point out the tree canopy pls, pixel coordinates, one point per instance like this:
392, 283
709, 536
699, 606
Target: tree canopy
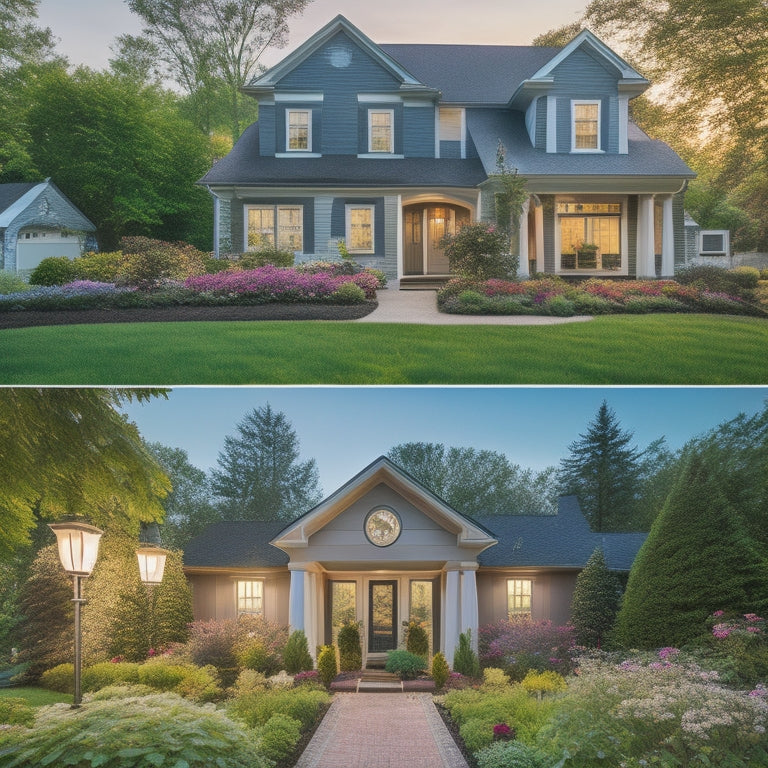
70, 452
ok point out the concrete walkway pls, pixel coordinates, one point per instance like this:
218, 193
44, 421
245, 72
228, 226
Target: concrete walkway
396, 306
382, 730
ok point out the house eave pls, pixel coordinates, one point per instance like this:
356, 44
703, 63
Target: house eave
606, 183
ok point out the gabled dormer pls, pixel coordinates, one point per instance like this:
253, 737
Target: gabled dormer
340, 94
578, 102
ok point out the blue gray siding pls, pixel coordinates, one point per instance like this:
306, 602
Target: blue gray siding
419, 132
266, 129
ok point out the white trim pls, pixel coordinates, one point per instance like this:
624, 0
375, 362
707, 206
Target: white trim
391, 113
297, 153
667, 238
588, 150
379, 98
299, 97
418, 103
379, 156
288, 113
551, 124
463, 134
348, 229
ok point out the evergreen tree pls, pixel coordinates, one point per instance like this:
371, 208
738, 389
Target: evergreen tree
698, 558
603, 471
259, 476
595, 601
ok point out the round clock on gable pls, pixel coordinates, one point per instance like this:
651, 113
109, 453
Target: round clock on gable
382, 527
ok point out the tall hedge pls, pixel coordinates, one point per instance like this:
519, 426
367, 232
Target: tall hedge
698, 558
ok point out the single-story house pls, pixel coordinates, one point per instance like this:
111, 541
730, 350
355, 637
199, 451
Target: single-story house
37, 221
390, 147
383, 549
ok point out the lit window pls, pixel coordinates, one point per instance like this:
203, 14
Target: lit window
360, 228
586, 125
299, 127
450, 124
263, 219
590, 235
380, 130
519, 597
250, 597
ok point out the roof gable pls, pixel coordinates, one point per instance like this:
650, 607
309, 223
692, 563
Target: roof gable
15, 198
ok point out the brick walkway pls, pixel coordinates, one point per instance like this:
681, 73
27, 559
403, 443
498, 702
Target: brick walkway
382, 730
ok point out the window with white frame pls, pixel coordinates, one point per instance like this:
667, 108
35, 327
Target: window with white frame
250, 597
275, 226
590, 234
381, 130
450, 123
586, 126
298, 126
360, 233
519, 597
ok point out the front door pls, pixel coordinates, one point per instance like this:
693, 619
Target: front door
382, 616
424, 227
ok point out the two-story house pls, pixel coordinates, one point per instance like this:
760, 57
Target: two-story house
389, 147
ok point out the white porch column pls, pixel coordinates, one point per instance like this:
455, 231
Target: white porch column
538, 213
469, 610
296, 612
646, 259
451, 611
523, 271
667, 239
216, 225
310, 610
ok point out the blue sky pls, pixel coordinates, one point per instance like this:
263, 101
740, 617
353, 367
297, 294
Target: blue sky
345, 428
86, 28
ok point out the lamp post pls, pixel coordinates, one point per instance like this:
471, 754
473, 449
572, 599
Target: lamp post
151, 558
78, 549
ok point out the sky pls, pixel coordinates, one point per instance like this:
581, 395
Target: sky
346, 428
87, 28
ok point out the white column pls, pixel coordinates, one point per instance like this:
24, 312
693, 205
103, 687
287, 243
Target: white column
469, 611
522, 270
296, 612
667, 239
451, 611
216, 225
538, 212
646, 259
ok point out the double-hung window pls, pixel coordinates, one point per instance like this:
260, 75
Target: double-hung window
298, 126
519, 597
586, 126
381, 130
250, 597
360, 231
275, 226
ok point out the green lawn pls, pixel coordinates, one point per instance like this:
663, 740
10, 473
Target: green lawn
646, 349
37, 697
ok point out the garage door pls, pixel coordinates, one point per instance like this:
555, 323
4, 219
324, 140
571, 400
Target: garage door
35, 245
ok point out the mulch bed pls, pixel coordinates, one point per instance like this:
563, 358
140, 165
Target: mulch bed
453, 729
30, 318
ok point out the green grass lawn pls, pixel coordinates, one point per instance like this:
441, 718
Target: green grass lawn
645, 349
37, 697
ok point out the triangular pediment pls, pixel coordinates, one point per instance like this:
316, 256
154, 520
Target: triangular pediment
468, 533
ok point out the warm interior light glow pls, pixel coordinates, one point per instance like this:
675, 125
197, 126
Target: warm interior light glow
151, 564
78, 546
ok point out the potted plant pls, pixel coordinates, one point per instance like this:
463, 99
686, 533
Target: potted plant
587, 253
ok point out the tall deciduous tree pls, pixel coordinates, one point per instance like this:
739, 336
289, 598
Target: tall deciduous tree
478, 482
70, 451
202, 41
698, 558
259, 475
603, 471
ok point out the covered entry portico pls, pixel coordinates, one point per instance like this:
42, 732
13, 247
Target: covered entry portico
380, 551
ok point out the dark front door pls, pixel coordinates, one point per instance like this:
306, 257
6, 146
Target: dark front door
382, 616
413, 253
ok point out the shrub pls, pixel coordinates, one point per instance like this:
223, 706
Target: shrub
465, 659
148, 262
334, 268
108, 673
510, 754
199, 684
16, 711
296, 656
11, 283
348, 293
587, 304
121, 691
595, 601
495, 678
279, 736
273, 256
745, 277
543, 682
255, 655
381, 278
440, 670
249, 681
326, 664
406, 665
161, 730
476, 734
478, 251
60, 678
417, 639
100, 267
162, 677
55, 270
213, 642
302, 703
350, 651
559, 306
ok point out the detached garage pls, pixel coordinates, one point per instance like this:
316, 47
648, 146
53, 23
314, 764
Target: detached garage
38, 221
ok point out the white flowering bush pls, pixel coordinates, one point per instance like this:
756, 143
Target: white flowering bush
662, 712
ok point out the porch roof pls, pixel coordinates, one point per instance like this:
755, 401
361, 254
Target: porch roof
243, 166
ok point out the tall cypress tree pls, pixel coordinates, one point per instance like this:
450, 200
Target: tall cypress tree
603, 471
595, 601
698, 558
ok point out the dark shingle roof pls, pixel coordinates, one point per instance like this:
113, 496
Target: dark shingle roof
10, 193
646, 157
472, 74
244, 166
236, 544
563, 540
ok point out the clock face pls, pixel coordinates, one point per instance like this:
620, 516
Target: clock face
382, 527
